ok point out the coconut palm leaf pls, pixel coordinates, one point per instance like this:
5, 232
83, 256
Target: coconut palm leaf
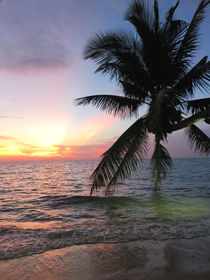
134, 91
145, 22
140, 15
157, 20
129, 163
122, 158
197, 77
119, 56
160, 163
170, 13
190, 40
198, 105
198, 139
172, 36
113, 104
159, 47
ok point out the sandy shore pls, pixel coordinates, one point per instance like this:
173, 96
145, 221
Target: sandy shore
148, 260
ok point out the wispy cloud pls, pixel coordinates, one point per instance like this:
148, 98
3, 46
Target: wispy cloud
11, 117
86, 131
37, 34
30, 36
82, 151
2, 137
13, 147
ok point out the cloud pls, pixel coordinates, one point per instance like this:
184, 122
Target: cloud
40, 34
33, 34
84, 132
82, 151
11, 117
15, 141
12, 147
2, 137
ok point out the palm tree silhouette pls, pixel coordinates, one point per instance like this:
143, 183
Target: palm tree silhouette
154, 69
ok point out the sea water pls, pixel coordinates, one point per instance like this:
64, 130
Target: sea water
46, 205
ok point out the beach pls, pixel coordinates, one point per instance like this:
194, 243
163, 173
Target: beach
170, 259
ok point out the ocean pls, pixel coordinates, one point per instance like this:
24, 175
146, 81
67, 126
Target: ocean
45, 205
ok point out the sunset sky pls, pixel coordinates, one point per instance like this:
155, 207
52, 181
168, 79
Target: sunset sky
42, 71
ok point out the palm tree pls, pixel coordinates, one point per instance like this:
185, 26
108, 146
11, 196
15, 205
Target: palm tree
154, 69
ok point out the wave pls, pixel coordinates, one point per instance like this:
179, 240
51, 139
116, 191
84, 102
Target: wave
11, 229
79, 200
63, 239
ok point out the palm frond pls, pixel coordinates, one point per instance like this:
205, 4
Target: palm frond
170, 13
132, 90
170, 38
112, 104
106, 43
119, 56
129, 162
122, 158
198, 139
145, 22
174, 34
190, 40
157, 20
141, 17
198, 105
198, 77
160, 163
160, 41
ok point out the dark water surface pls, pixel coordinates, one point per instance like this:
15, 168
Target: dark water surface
46, 205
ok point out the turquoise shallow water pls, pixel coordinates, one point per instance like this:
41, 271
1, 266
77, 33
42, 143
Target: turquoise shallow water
46, 205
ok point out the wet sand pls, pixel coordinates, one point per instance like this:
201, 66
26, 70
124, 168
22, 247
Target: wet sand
149, 260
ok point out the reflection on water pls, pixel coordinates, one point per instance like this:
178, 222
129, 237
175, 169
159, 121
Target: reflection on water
46, 205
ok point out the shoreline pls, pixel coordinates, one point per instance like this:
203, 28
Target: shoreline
151, 259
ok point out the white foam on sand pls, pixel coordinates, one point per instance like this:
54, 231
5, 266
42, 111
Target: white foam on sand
171, 259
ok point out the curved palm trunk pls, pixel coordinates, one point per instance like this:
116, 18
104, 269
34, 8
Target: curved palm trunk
193, 119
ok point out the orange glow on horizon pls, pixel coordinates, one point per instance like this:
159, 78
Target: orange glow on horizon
51, 152
54, 139
74, 153
15, 153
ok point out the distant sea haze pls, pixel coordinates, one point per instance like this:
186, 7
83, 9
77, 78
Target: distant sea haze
46, 205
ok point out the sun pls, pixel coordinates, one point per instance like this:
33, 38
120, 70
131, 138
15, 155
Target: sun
41, 140
46, 135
